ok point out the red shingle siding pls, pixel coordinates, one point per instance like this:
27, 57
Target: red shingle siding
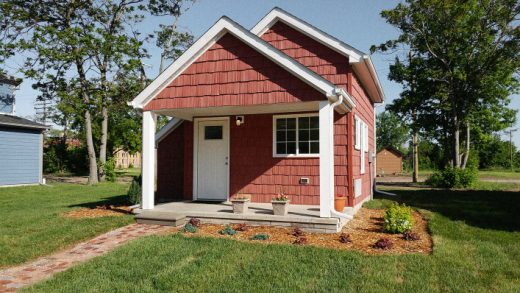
253, 170
231, 74
330, 65
174, 164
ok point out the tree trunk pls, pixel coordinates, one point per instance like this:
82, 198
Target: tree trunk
466, 152
93, 174
103, 144
415, 150
456, 141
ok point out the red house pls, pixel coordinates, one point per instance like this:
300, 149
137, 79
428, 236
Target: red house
284, 107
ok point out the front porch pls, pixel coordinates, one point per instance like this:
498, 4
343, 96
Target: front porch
306, 217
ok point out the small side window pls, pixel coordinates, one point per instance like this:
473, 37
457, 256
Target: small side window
212, 132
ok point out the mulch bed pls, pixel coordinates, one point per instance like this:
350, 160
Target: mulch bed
98, 212
364, 231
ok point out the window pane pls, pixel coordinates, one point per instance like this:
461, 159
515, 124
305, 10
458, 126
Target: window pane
291, 123
291, 135
315, 134
212, 132
303, 135
281, 149
303, 147
291, 148
280, 136
315, 122
315, 147
281, 124
303, 122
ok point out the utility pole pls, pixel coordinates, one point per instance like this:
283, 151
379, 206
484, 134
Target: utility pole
511, 146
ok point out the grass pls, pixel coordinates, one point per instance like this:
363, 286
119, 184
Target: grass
475, 233
488, 174
128, 172
31, 225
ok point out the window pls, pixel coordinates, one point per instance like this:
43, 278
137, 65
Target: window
365, 133
212, 132
296, 135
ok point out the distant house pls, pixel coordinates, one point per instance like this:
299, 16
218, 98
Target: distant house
21, 141
389, 161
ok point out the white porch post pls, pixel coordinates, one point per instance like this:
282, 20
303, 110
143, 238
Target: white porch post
148, 163
326, 159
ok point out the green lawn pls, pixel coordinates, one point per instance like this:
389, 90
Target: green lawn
476, 249
128, 172
31, 224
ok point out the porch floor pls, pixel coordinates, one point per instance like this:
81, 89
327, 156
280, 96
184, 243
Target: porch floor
178, 213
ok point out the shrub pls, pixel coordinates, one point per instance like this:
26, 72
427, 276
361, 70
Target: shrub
134, 191
398, 219
241, 227
453, 178
261, 237
228, 231
110, 170
298, 232
384, 243
345, 238
189, 228
195, 222
410, 236
300, 241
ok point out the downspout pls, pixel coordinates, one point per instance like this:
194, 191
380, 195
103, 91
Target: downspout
333, 212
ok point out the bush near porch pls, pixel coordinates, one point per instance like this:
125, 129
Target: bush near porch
32, 224
475, 234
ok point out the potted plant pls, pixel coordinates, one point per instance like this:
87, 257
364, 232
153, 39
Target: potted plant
280, 205
240, 203
340, 201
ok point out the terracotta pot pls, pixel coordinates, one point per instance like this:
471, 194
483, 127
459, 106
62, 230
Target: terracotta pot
339, 203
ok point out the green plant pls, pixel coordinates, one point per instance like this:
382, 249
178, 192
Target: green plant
384, 243
110, 170
453, 178
228, 230
190, 228
398, 219
260, 236
134, 191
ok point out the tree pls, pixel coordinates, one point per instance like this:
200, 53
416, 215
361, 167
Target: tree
80, 52
464, 60
391, 131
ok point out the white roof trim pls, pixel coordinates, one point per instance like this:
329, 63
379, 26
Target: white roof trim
356, 57
221, 27
167, 129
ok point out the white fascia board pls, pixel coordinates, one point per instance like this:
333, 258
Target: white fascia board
302, 26
369, 80
375, 77
167, 129
221, 27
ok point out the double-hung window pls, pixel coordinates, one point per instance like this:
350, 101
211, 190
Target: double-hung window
296, 135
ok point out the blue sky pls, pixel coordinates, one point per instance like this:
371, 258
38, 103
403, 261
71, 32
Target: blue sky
357, 23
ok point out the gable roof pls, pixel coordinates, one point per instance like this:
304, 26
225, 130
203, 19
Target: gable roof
361, 62
19, 122
223, 26
392, 150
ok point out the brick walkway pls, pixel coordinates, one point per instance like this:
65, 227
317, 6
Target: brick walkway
34, 271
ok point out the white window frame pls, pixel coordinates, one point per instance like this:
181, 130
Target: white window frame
297, 155
362, 149
365, 133
357, 138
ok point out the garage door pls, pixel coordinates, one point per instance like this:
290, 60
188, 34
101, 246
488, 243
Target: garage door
19, 156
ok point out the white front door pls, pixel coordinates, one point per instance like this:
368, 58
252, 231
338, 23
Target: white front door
212, 159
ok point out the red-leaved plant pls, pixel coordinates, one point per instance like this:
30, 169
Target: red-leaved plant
298, 232
195, 222
384, 243
345, 238
410, 236
300, 241
241, 227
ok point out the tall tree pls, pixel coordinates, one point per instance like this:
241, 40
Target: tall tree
467, 57
391, 131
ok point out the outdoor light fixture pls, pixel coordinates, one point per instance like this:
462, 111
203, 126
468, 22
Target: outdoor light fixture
240, 120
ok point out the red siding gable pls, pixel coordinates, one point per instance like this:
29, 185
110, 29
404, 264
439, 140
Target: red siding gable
231, 73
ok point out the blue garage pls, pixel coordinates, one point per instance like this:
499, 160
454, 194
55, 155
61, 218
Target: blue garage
21, 151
